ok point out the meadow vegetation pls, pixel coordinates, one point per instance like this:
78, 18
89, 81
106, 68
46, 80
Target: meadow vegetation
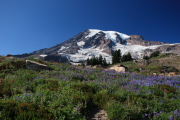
70, 93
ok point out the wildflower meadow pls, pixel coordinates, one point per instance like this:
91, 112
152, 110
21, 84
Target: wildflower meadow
69, 93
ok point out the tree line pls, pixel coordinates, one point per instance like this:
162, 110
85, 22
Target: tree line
118, 58
97, 61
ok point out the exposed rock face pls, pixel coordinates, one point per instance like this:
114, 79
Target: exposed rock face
169, 49
169, 69
107, 47
32, 65
141, 61
53, 58
139, 40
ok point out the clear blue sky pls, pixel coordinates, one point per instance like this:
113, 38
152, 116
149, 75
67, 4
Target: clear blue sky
29, 25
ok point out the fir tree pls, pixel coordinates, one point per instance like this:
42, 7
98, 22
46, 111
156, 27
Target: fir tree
124, 58
129, 57
88, 61
100, 60
104, 62
94, 62
116, 57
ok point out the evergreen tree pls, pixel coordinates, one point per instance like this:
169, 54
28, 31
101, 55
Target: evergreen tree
124, 58
88, 61
91, 61
104, 62
119, 56
94, 62
129, 57
100, 60
116, 56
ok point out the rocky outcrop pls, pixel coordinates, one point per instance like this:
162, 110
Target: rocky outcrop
141, 61
139, 40
119, 68
171, 48
168, 69
32, 65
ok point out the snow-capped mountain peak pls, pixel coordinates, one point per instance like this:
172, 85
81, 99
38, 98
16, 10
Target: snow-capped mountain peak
93, 32
109, 34
94, 42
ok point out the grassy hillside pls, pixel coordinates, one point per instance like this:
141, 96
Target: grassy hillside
155, 64
70, 93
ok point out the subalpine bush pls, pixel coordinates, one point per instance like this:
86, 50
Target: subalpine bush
155, 54
12, 110
53, 85
5, 89
84, 87
168, 89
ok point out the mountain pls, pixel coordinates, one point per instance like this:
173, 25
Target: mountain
94, 42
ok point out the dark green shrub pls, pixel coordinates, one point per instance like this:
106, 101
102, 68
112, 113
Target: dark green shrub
24, 111
77, 78
155, 54
136, 70
53, 85
33, 111
84, 87
103, 97
8, 110
116, 111
2, 75
19, 64
5, 89
168, 89
146, 58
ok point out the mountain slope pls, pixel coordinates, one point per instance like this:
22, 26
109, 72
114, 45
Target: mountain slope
94, 42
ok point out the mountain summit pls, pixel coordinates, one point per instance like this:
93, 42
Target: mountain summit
94, 42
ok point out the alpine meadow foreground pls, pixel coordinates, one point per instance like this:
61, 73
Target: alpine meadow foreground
71, 93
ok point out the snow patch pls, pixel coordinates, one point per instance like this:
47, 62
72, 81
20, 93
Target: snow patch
62, 48
81, 43
109, 34
113, 35
85, 53
93, 32
43, 55
123, 36
137, 51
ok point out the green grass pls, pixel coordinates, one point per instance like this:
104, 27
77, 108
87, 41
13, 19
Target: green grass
69, 93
